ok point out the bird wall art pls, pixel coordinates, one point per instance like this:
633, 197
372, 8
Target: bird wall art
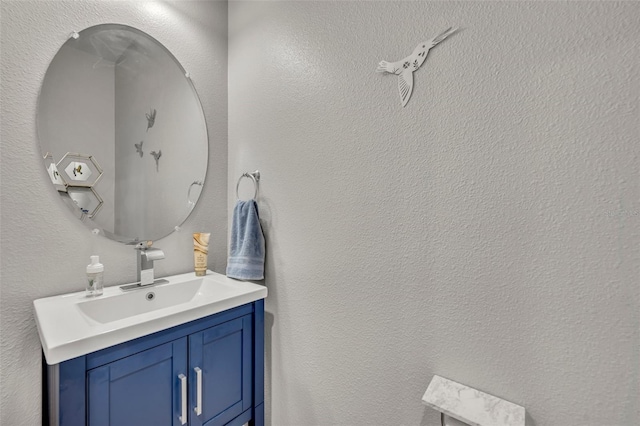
156, 156
405, 68
151, 118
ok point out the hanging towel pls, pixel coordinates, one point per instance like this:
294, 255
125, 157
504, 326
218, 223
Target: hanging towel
246, 258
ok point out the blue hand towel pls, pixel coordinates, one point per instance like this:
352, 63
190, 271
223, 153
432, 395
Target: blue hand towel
246, 258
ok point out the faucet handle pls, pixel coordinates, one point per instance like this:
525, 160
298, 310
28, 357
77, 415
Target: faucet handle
154, 254
143, 245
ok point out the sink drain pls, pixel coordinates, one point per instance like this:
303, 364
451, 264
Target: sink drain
150, 296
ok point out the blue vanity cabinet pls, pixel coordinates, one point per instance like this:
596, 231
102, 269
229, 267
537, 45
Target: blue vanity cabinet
208, 372
220, 364
141, 389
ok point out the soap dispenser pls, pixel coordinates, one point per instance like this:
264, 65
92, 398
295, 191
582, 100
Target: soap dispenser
95, 271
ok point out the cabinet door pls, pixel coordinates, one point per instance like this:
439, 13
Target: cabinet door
141, 390
223, 356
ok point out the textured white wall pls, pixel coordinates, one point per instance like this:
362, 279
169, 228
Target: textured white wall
44, 249
488, 232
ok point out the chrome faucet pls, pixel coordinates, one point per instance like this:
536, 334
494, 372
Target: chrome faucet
146, 257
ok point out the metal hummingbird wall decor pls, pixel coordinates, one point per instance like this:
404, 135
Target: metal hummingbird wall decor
405, 68
151, 118
156, 156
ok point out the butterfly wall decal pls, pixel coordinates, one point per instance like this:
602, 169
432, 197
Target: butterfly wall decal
139, 148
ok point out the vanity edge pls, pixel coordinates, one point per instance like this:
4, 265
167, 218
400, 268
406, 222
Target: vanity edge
88, 338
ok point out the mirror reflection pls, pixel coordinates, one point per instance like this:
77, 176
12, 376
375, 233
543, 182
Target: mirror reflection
122, 133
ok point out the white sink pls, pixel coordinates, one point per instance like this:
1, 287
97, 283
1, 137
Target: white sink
142, 300
72, 325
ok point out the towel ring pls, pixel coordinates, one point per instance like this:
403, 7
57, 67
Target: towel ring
255, 177
189, 202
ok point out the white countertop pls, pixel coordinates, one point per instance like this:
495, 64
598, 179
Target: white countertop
471, 406
71, 325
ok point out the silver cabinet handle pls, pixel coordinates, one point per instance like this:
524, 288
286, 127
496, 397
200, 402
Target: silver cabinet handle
198, 408
183, 399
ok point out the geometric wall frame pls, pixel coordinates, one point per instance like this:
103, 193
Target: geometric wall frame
87, 199
79, 169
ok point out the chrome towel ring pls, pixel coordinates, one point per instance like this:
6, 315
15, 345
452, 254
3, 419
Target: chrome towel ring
189, 202
255, 177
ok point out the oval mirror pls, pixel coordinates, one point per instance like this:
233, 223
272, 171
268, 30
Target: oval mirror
122, 133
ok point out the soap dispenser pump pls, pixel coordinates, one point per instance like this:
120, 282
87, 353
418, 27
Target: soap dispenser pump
95, 272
